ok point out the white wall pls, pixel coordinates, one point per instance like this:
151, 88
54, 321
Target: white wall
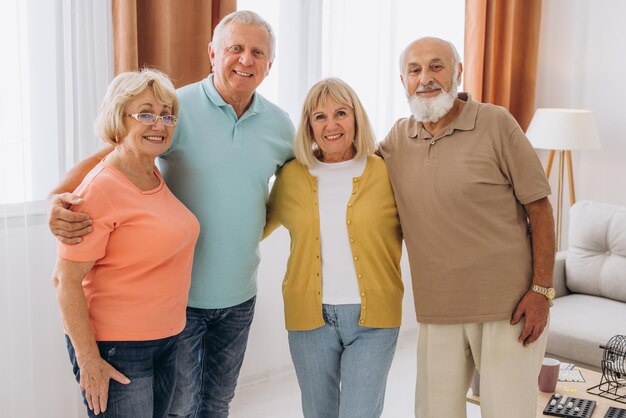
581, 61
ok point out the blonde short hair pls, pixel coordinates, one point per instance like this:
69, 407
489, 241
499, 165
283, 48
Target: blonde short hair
305, 148
124, 88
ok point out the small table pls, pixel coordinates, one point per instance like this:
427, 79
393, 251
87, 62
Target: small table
574, 389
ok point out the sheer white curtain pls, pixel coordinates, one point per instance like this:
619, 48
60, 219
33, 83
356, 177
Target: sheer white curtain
57, 64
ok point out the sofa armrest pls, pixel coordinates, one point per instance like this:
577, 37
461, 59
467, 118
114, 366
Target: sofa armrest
558, 275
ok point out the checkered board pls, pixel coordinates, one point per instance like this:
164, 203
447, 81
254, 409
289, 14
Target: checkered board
565, 406
615, 413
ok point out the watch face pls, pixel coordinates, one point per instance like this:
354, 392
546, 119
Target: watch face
551, 293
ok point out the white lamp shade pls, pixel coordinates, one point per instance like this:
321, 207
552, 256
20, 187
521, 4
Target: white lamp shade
563, 129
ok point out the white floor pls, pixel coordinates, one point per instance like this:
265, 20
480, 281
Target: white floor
279, 397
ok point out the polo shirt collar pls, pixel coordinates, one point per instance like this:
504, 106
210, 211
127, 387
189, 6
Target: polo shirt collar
257, 105
466, 121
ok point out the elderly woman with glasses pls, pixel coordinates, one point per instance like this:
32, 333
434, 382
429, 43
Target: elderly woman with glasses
342, 289
122, 290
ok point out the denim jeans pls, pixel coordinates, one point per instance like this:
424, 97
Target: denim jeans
342, 367
151, 368
210, 355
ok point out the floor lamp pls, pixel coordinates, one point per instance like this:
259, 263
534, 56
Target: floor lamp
562, 130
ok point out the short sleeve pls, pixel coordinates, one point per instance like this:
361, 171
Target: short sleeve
523, 167
98, 206
385, 147
271, 219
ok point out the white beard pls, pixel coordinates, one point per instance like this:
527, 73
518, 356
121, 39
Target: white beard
434, 108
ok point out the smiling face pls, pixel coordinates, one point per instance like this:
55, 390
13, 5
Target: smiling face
430, 76
146, 140
428, 68
333, 127
240, 60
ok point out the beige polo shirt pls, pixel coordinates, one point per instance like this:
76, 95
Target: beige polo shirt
459, 196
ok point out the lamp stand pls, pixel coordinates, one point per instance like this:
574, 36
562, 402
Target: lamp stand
565, 158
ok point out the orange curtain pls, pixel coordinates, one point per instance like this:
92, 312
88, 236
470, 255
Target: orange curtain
169, 35
501, 51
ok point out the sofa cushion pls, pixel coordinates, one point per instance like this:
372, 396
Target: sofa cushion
579, 324
596, 257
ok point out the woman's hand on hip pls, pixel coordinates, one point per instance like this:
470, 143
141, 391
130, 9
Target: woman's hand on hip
94, 380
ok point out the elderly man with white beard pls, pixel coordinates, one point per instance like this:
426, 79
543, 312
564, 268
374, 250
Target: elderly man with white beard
472, 199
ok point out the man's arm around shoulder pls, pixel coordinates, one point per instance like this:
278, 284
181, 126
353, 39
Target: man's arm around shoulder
69, 227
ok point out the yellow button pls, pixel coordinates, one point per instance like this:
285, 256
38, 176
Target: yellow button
318, 256
349, 221
362, 321
362, 293
351, 239
356, 258
349, 205
355, 180
318, 274
360, 276
354, 192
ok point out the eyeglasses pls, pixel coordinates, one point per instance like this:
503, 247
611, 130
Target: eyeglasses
150, 119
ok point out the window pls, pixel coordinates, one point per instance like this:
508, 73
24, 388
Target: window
57, 67
15, 135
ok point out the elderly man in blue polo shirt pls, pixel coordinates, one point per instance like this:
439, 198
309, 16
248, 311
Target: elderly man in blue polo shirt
228, 143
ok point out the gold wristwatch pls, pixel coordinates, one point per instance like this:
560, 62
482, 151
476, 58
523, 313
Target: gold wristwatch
548, 292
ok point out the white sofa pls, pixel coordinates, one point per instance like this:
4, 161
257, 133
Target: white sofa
590, 281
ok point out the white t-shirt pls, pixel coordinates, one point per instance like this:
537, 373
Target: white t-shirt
334, 186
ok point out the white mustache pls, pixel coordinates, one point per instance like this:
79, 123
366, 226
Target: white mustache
433, 85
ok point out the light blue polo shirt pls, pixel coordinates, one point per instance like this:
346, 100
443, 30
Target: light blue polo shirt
219, 167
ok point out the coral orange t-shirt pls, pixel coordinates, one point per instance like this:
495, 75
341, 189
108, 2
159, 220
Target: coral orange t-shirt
143, 242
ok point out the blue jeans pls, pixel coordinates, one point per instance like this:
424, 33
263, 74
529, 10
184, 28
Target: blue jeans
342, 367
210, 355
151, 368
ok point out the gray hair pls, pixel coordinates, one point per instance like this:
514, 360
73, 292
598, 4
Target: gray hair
457, 57
455, 54
249, 18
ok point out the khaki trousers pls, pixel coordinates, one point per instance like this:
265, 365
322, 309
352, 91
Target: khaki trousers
448, 354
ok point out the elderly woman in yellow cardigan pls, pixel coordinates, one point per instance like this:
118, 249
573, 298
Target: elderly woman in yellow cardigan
343, 289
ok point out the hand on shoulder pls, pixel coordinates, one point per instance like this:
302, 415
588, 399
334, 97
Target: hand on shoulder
67, 226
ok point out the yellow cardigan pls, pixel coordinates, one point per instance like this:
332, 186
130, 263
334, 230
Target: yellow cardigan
375, 240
